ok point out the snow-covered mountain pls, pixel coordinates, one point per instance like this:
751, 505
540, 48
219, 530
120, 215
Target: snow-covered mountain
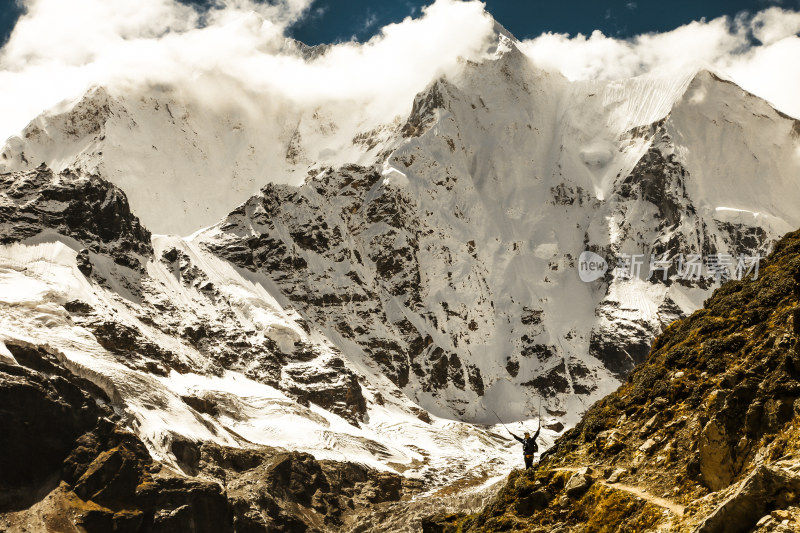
185, 161
380, 289
191, 348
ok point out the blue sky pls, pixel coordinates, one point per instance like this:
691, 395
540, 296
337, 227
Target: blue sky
331, 21
8, 16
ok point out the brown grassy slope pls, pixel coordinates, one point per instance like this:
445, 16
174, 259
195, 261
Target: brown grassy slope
717, 395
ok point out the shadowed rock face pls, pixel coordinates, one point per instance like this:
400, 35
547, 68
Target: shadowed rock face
64, 453
703, 434
295, 492
40, 419
63, 439
350, 305
89, 209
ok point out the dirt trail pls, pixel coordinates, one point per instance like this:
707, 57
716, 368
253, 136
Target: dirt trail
671, 506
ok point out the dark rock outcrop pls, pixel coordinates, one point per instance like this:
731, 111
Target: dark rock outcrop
40, 419
87, 208
61, 436
65, 455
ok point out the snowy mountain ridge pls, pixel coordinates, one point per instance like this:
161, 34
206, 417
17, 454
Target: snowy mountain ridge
391, 285
463, 262
192, 349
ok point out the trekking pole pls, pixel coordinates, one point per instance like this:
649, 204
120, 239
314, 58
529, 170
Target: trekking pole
501, 421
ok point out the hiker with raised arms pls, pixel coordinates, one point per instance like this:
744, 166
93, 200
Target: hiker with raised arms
529, 446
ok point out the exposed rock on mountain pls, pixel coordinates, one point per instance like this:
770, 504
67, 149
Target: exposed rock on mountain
69, 466
86, 208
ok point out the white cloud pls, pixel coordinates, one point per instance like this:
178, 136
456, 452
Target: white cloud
772, 25
772, 72
61, 47
770, 69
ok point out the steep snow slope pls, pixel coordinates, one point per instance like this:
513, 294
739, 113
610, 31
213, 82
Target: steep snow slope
451, 265
750, 164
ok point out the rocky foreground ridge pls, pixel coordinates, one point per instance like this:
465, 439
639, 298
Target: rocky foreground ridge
704, 436
70, 465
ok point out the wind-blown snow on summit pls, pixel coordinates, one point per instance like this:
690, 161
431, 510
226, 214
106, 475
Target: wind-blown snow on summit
452, 264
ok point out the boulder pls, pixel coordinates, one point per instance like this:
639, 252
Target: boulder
578, 484
616, 475
716, 460
614, 442
112, 476
647, 445
760, 493
536, 501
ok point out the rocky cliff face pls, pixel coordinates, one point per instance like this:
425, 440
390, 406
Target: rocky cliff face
701, 437
70, 465
86, 208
